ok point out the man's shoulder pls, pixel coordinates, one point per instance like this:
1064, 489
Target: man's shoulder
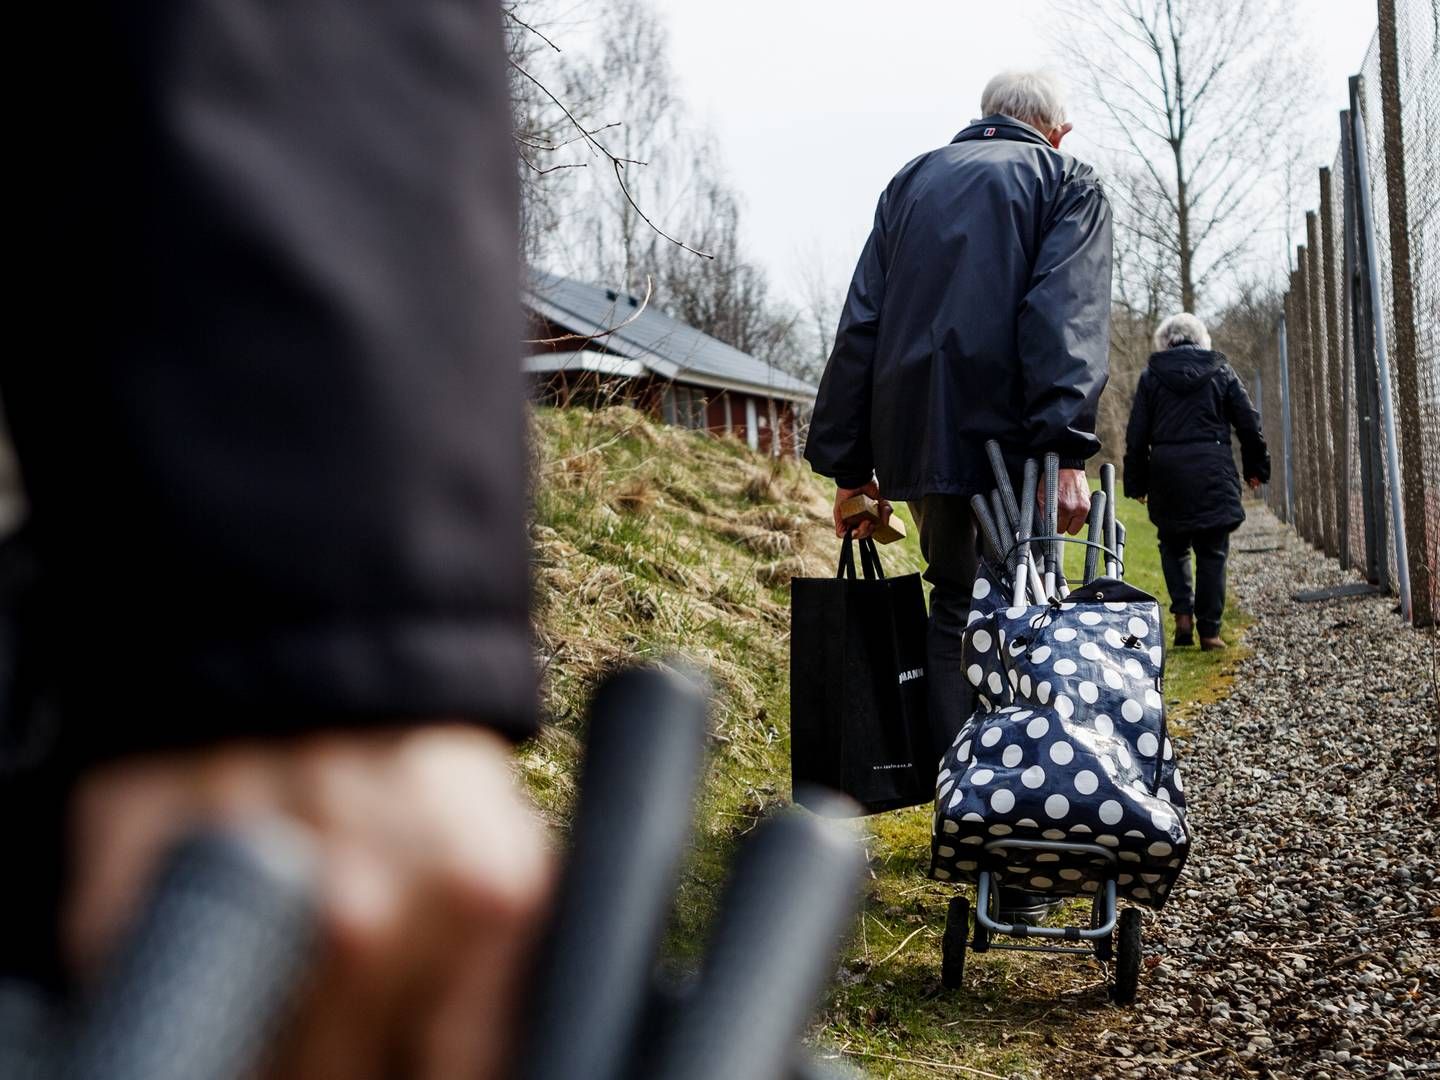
1046, 162
916, 164
1080, 176
1035, 175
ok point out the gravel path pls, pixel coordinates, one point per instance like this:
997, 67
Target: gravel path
1304, 940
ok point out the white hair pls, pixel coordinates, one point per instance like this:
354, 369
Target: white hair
1032, 96
1181, 329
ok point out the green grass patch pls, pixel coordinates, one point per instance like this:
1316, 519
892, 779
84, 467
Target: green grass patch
1192, 677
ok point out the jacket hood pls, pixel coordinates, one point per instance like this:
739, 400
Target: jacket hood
1185, 369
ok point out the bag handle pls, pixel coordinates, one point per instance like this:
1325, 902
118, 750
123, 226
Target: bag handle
870, 556
846, 569
869, 559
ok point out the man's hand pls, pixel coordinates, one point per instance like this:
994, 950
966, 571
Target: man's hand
1074, 491
434, 873
1254, 483
864, 528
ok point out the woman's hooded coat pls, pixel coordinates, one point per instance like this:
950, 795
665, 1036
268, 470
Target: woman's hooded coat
1177, 445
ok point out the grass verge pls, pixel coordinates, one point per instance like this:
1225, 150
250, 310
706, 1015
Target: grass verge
651, 541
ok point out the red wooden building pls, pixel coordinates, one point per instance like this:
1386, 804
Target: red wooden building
598, 346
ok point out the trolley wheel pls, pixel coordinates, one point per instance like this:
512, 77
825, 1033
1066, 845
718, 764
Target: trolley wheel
1105, 946
1127, 961
952, 945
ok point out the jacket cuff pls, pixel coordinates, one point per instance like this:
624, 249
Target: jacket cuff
855, 480
1072, 463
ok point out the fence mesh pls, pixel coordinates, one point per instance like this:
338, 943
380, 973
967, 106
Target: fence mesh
1418, 52
1324, 370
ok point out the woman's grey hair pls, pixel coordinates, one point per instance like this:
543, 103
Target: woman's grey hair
1181, 329
1032, 96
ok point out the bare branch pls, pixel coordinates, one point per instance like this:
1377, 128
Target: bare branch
509, 12
545, 170
536, 144
620, 179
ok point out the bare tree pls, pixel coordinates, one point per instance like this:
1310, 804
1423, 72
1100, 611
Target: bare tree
1196, 95
1244, 329
561, 103
822, 294
659, 179
1145, 276
631, 219
542, 133
728, 298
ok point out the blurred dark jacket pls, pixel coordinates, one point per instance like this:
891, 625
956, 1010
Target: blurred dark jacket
1177, 444
980, 309
275, 451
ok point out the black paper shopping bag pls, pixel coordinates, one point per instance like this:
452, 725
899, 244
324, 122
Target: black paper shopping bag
858, 720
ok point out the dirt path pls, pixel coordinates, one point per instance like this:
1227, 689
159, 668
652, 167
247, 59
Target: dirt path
1304, 940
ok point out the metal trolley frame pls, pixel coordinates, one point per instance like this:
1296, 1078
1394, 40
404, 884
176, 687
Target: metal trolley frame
1112, 936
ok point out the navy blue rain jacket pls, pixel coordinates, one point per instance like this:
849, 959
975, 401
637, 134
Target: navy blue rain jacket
1177, 444
980, 309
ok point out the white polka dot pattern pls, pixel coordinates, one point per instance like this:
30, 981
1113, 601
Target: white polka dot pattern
1042, 758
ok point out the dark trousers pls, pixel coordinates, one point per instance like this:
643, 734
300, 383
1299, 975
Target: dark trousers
1204, 597
947, 540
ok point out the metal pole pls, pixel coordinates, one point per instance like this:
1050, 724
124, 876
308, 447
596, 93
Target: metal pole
1387, 405
1285, 424
1259, 397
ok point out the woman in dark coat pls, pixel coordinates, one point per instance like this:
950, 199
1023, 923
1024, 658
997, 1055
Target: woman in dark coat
1178, 460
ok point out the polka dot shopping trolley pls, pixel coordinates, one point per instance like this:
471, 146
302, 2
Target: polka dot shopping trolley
1063, 780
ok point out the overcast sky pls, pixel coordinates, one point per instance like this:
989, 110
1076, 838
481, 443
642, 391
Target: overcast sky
816, 103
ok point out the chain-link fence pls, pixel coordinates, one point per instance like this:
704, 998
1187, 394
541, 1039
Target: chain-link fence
1354, 376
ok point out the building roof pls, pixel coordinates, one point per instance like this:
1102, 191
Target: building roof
665, 346
548, 363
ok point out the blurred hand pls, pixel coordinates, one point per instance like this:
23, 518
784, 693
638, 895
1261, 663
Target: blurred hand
434, 876
864, 528
1254, 483
1074, 491
1141, 499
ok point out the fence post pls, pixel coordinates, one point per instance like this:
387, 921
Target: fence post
1289, 478
1257, 396
1420, 528
1382, 362
1320, 414
1337, 400
1362, 361
1309, 506
1367, 370
1296, 393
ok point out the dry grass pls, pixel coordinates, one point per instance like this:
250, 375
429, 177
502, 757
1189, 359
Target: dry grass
651, 541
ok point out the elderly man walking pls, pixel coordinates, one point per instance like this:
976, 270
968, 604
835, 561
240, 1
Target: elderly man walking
980, 309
